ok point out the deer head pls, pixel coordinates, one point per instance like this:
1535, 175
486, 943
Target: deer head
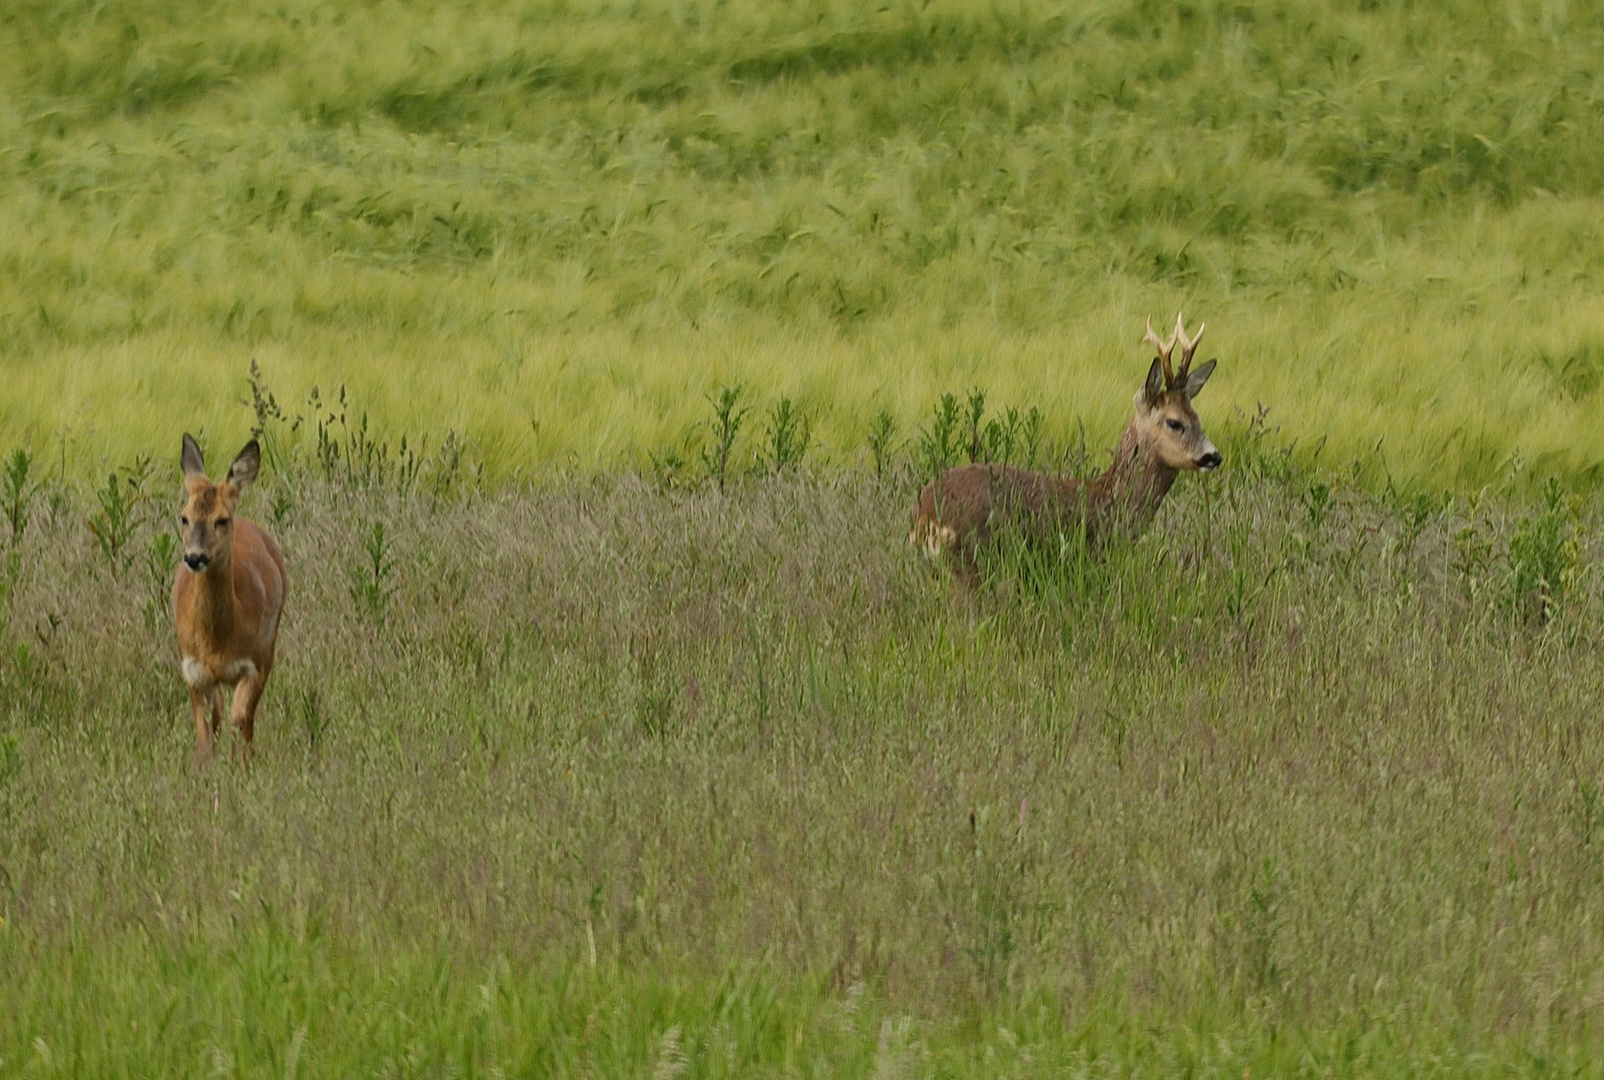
206, 522
1168, 427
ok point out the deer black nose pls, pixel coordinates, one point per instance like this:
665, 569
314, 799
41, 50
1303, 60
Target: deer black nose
196, 563
1210, 460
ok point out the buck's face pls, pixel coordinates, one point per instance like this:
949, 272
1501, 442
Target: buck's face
1170, 429
206, 523
1174, 434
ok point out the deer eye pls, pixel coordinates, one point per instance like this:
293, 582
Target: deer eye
222, 522
183, 520
1175, 425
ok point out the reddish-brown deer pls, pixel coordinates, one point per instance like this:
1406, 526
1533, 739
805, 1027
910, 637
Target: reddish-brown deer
227, 597
955, 511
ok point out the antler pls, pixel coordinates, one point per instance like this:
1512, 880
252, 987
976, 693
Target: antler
1164, 349
1188, 347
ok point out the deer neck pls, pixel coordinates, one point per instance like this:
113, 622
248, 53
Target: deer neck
1136, 482
214, 599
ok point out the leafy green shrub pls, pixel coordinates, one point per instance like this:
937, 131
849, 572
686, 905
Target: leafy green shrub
17, 489
786, 437
1544, 556
373, 582
938, 441
728, 416
882, 430
114, 522
161, 559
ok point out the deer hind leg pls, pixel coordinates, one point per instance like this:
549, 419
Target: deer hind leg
963, 567
965, 572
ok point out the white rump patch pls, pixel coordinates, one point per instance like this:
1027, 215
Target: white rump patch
934, 539
235, 670
195, 673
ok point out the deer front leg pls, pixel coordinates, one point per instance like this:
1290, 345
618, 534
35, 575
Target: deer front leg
242, 714
207, 705
203, 731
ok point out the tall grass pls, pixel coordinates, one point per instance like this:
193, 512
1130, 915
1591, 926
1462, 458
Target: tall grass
555, 227
603, 777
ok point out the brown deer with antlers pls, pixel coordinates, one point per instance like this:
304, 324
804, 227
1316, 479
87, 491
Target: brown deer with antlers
955, 511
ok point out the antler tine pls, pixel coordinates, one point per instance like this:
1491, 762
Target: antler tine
1188, 345
1164, 349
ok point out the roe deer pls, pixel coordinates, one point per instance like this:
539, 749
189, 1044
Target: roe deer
955, 510
227, 597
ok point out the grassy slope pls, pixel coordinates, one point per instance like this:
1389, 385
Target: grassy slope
616, 776
556, 226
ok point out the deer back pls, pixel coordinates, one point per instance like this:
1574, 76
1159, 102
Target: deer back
955, 511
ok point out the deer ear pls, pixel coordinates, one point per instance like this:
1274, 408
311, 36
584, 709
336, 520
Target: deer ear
1195, 381
190, 460
1153, 388
244, 469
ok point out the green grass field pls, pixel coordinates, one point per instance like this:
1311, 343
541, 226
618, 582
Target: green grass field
582, 761
554, 227
604, 780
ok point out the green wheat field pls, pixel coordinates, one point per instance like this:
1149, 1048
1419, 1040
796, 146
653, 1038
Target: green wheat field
598, 350
555, 227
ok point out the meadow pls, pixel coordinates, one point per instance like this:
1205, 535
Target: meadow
608, 778
598, 351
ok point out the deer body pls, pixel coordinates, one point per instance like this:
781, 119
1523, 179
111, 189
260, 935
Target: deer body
228, 595
955, 511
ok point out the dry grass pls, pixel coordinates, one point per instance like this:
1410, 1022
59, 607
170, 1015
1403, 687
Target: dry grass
597, 777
